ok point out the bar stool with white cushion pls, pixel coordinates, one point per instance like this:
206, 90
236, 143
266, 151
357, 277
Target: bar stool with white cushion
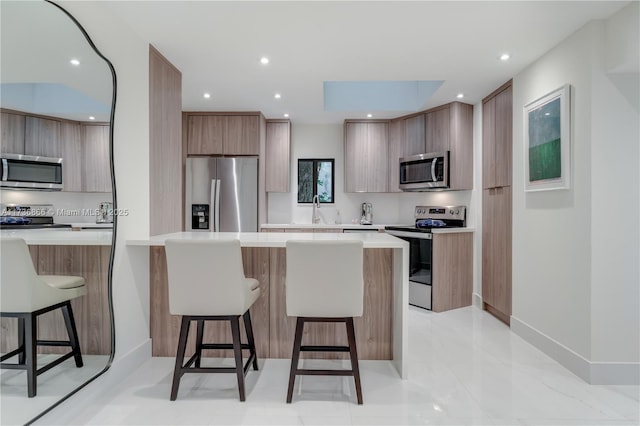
25, 296
207, 283
324, 283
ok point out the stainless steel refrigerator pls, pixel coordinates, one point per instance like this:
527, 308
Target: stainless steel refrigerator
221, 194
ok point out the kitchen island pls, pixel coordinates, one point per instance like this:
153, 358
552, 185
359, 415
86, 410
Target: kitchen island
66, 252
381, 332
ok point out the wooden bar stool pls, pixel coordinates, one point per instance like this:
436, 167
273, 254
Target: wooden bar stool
25, 296
324, 283
207, 283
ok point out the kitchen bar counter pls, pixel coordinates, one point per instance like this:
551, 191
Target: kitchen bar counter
381, 332
57, 237
276, 239
376, 227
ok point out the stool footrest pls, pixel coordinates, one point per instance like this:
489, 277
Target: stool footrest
11, 354
223, 346
53, 343
318, 372
310, 348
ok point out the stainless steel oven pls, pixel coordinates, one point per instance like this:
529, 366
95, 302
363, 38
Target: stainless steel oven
420, 239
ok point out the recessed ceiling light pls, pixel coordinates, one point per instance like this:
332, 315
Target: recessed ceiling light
264, 60
92, 117
505, 57
206, 95
286, 115
547, 113
369, 115
277, 96
460, 95
74, 62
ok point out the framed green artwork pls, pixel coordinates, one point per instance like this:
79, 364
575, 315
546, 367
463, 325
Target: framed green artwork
547, 140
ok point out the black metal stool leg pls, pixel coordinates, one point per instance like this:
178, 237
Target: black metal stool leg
31, 331
199, 336
182, 345
70, 322
252, 344
21, 355
237, 351
295, 357
351, 336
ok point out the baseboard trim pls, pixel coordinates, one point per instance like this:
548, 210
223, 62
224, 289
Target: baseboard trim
76, 405
476, 300
595, 373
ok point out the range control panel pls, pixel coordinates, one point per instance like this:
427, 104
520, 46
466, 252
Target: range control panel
441, 212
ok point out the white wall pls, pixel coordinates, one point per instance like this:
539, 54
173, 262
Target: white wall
575, 252
63, 202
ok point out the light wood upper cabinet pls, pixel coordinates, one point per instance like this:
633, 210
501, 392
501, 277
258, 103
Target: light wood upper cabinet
12, 127
205, 134
278, 155
96, 175
497, 135
414, 142
396, 151
72, 156
223, 135
460, 126
366, 162
242, 135
437, 129
42, 137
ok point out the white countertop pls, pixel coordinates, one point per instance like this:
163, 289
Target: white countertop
277, 239
57, 237
91, 225
320, 226
451, 230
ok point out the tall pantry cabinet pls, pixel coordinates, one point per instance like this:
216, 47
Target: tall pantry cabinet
497, 140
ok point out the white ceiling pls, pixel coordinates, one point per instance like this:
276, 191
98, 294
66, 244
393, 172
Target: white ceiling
217, 46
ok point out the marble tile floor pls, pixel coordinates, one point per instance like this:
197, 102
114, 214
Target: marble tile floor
465, 368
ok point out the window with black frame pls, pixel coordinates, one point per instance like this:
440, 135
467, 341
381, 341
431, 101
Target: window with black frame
316, 177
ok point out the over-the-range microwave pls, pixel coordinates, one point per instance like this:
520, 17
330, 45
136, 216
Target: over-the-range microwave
20, 171
424, 172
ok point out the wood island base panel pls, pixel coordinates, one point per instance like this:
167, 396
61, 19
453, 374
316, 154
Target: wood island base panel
273, 329
91, 311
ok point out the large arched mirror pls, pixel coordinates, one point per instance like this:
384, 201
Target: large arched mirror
58, 98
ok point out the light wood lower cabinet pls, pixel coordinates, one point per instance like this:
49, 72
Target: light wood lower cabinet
91, 311
273, 329
452, 270
496, 251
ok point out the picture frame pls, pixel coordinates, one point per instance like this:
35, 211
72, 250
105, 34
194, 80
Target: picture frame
547, 141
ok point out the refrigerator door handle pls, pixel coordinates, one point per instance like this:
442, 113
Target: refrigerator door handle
215, 203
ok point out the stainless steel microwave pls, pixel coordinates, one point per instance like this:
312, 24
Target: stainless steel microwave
424, 172
31, 172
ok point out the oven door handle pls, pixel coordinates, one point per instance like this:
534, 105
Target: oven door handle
409, 234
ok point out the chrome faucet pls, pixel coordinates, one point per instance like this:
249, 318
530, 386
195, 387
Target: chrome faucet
315, 218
